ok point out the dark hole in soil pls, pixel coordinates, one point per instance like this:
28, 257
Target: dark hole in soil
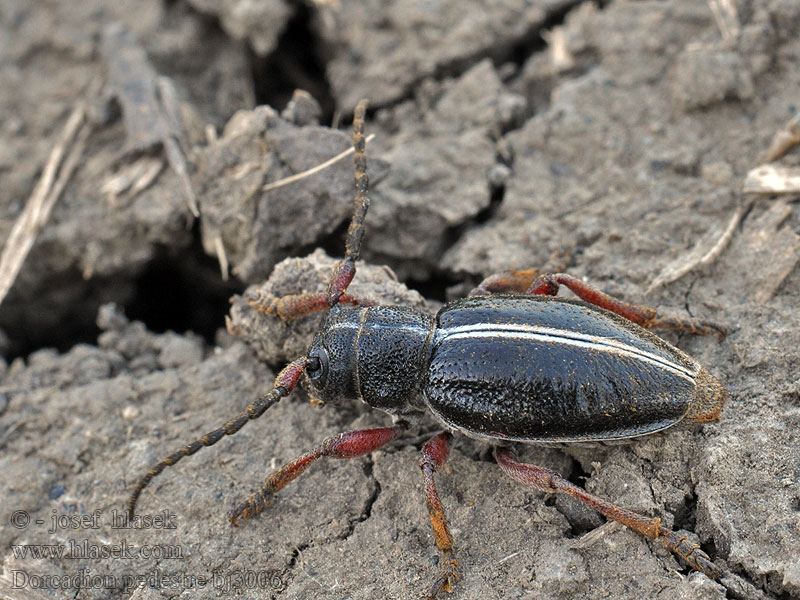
182, 291
296, 63
59, 314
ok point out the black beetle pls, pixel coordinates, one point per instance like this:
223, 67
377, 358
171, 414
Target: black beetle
512, 363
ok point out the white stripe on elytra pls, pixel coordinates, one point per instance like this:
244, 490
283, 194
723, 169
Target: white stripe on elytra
564, 336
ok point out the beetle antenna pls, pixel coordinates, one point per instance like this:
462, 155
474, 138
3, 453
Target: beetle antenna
346, 268
284, 383
298, 305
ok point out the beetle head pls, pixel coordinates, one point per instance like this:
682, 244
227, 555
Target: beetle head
331, 369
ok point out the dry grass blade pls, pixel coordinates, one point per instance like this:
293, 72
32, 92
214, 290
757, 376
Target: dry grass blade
121, 187
726, 16
772, 179
59, 168
703, 254
222, 256
311, 171
784, 140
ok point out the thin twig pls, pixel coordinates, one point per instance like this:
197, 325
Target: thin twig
699, 256
512, 555
56, 174
311, 171
726, 16
595, 535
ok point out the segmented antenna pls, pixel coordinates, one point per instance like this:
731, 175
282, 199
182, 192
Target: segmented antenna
346, 268
284, 384
291, 307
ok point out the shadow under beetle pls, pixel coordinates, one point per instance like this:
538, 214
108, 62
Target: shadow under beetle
510, 363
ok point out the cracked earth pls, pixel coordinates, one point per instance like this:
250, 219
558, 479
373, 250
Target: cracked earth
615, 134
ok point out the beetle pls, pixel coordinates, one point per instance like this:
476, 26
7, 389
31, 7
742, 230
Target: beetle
510, 363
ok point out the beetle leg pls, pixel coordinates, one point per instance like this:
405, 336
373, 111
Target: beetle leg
294, 306
644, 316
518, 282
434, 455
549, 481
344, 445
506, 282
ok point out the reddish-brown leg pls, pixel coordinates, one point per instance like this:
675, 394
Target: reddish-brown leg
551, 482
518, 281
644, 316
294, 306
345, 445
506, 282
434, 455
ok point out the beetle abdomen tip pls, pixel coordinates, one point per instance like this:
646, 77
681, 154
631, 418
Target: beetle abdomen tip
710, 397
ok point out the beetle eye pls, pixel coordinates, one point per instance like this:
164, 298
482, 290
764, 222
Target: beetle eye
317, 367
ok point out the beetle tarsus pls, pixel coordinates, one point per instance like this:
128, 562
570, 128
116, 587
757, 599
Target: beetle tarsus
506, 282
256, 503
691, 553
434, 455
695, 326
294, 306
446, 580
519, 281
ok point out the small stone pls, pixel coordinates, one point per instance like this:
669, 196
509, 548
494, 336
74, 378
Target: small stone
110, 317
498, 175
303, 109
56, 492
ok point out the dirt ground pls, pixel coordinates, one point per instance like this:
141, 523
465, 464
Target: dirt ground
616, 137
